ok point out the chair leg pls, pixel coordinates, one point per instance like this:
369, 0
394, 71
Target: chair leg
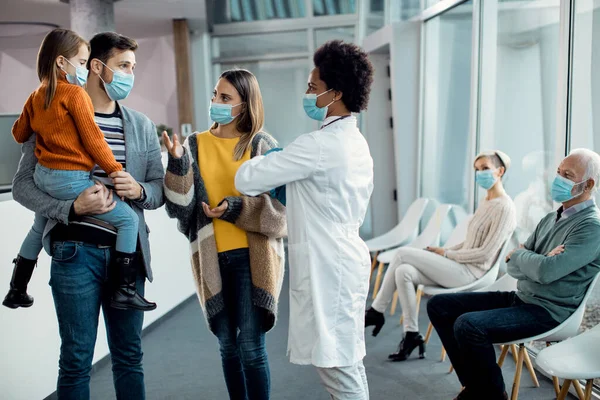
451, 369
394, 303
503, 355
517, 381
378, 280
588, 389
428, 334
419, 295
556, 385
401, 319
374, 264
443, 356
565, 390
515, 352
529, 366
578, 389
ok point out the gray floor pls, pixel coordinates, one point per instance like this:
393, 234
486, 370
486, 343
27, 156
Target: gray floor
182, 362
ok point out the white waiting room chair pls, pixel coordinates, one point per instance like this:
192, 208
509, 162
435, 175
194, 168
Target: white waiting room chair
484, 282
575, 358
567, 329
429, 237
402, 234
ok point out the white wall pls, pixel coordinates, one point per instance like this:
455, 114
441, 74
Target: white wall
29, 341
402, 44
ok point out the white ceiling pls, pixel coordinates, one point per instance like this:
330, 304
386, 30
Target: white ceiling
135, 18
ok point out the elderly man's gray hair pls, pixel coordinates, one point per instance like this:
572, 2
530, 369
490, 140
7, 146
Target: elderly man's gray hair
591, 160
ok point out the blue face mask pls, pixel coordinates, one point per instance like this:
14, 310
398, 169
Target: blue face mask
121, 85
221, 113
80, 77
310, 106
485, 178
562, 189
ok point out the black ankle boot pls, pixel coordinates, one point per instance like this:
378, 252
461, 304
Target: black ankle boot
17, 295
410, 341
374, 317
125, 295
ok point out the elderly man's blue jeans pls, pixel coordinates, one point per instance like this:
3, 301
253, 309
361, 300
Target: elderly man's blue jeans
80, 287
470, 323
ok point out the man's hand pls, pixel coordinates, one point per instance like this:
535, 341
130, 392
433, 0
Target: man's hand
436, 250
215, 212
174, 148
125, 186
507, 259
94, 200
556, 251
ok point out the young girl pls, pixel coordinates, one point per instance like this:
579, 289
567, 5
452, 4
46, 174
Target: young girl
68, 146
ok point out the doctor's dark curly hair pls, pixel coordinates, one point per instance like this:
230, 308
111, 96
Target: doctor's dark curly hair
346, 67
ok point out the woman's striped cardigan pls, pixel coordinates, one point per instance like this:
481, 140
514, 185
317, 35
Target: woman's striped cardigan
262, 217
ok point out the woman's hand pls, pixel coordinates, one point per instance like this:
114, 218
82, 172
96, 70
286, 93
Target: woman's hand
216, 212
557, 250
436, 250
174, 148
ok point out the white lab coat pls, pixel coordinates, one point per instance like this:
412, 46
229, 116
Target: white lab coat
329, 179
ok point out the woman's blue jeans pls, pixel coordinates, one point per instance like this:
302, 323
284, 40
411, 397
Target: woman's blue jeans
241, 332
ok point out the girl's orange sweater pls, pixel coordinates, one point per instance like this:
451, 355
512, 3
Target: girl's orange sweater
67, 137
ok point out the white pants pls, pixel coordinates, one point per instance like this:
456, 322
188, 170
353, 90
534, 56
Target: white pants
412, 267
346, 383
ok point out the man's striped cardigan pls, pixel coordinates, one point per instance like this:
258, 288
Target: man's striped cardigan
262, 217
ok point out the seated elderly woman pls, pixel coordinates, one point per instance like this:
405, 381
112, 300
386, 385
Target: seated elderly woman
493, 223
554, 268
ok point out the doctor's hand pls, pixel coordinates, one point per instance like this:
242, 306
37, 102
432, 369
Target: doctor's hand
436, 250
174, 148
216, 212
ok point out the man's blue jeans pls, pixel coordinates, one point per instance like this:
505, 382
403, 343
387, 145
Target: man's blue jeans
80, 286
470, 323
243, 354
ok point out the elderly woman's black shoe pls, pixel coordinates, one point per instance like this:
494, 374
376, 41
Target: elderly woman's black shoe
374, 317
411, 341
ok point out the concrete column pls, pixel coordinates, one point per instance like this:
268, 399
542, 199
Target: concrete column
89, 17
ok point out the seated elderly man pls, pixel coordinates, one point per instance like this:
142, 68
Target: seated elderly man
554, 268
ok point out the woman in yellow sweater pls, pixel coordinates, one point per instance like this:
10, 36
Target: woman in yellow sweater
235, 241
68, 146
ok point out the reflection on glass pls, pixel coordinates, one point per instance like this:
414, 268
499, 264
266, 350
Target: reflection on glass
260, 44
527, 50
585, 120
376, 16
225, 11
333, 7
446, 166
344, 33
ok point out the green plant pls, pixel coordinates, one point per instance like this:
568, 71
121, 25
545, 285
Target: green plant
160, 128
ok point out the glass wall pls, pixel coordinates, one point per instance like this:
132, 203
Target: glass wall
333, 7
445, 167
524, 81
225, 11
585, 120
